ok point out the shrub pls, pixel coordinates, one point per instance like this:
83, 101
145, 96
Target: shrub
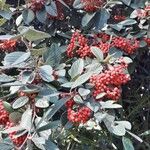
63, 66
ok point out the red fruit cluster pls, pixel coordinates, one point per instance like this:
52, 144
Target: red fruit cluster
92, 5
70, 103
147, 9
69, 2
79, 115
17, 141
110, 82
103, 36
37, 5
82, 115
4, 115
78, 46
8, 45
104, 47
127, 45
37, 79
147, 40
119, 18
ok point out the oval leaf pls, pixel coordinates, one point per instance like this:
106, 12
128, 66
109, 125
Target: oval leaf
21, 101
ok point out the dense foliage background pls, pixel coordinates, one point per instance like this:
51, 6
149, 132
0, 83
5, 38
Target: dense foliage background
74, 74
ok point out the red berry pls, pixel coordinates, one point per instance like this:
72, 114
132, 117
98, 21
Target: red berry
81, 115
110, 82
17, 141
4, 115
8, 45
92, 5
37, 5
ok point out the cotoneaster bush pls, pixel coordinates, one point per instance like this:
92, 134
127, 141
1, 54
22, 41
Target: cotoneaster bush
64, 64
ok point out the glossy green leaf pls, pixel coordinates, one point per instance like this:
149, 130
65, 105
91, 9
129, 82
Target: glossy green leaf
20, 102
28, 16
127, 143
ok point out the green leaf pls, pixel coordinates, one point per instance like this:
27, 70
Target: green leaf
41, 103
100, 116
135, 136
19, 20
15, 117
50, 125
49, 145
145, 133
78, 4
7, 107
28, 16
126, 124
56, 107
27, 77
115, 53
127, 22
87, 18
39, 142
84, 92
6, 146
127, 2
127, 60
78, 99
53, 55
52, 9
29, 89
97, 53
117, 27
101, 95
41, 15
15, 58
127, 144
26, 119
67, 85
20, 102
46, 73
76, 68
6, 14
31, 34
13, 129
101, 18
5, 78
109, 104
45, 133
81, 79
118, 130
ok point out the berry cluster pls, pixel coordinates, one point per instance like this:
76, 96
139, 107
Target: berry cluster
8, 45
147, 9
81, 115
103, 36
147, 40
4, 120
17, 141
69, 2
4, 116
127, 45
77, 115
78, 46
110, 82
119, 18
37, 5
104, 47
92, 5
